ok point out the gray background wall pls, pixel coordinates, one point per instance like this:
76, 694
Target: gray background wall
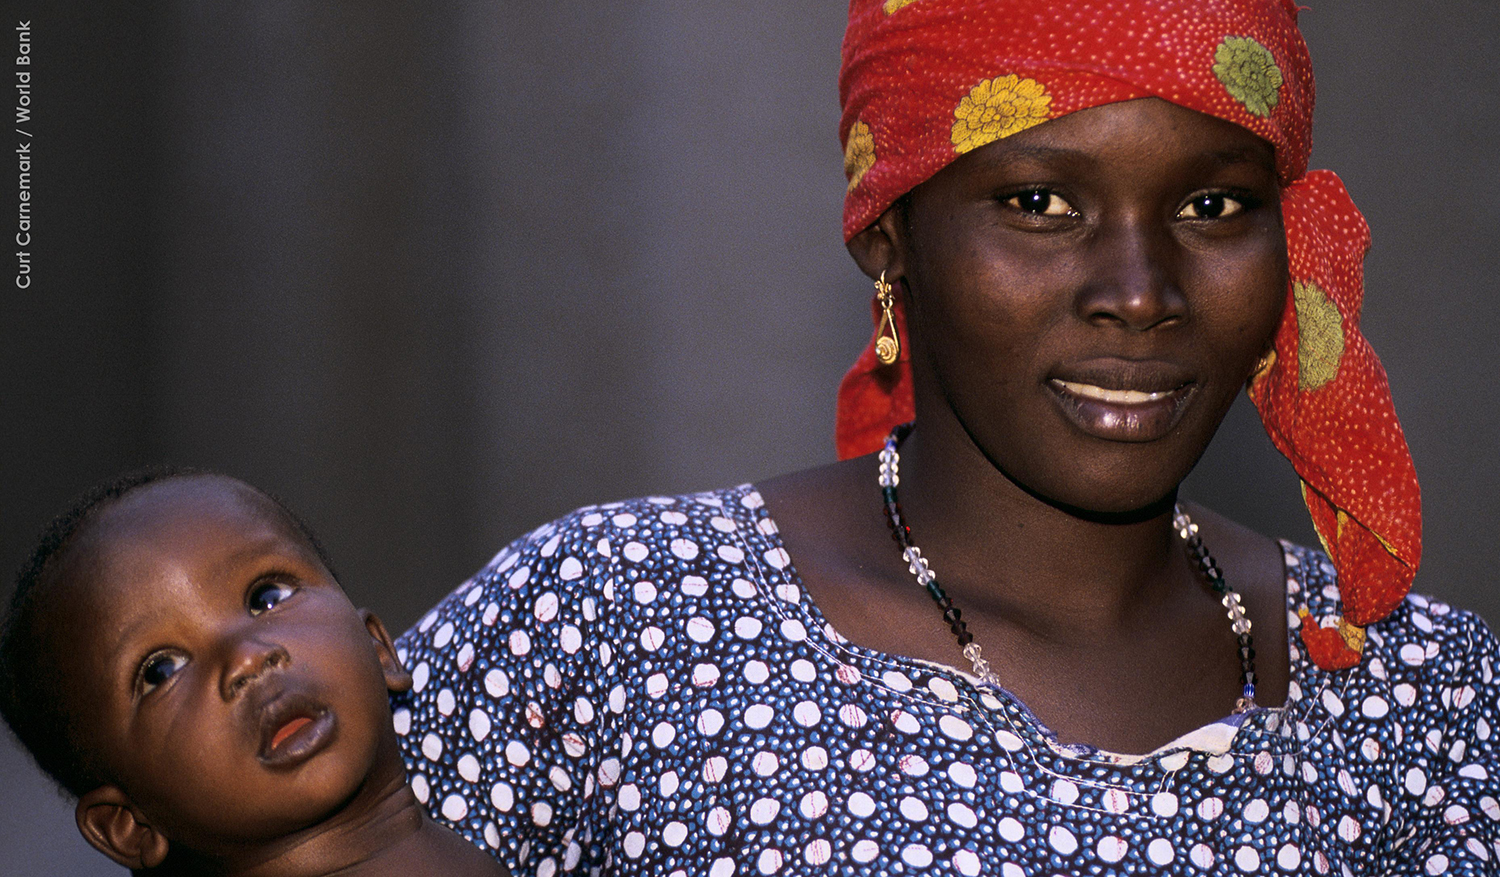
436, 273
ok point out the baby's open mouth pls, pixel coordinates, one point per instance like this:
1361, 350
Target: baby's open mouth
288, 730
293, 727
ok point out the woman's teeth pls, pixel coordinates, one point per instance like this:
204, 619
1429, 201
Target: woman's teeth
1115, 397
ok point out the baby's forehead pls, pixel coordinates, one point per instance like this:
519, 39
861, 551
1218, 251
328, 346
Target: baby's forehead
184, 513
215, 497
183, 521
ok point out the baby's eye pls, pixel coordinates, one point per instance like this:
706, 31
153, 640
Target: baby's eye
160, 667
1040, 201
267, 595
1211, 205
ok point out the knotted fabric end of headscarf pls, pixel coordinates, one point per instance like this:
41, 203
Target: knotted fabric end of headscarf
1337, 646
1326, 404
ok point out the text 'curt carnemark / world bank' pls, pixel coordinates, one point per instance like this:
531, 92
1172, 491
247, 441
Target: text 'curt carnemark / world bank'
23, 154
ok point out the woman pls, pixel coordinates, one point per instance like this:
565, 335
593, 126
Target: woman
1089, 223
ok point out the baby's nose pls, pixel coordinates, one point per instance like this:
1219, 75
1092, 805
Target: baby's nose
249, 659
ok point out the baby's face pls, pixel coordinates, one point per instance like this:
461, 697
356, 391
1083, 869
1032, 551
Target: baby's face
231, 689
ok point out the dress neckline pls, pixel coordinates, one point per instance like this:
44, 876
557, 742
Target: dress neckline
1217, 738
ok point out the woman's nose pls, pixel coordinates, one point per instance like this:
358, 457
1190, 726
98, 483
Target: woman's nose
249, 657
1131, 278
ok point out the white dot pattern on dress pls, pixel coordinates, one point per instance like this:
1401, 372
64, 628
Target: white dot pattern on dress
675, 707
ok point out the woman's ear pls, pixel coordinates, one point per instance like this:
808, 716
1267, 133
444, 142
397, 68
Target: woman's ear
115, 827
881, 247
396, 677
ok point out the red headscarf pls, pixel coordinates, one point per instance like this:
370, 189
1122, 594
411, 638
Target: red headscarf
924, 81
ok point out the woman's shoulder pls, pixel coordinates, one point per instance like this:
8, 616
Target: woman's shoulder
1423, 635
586, 554
636, 530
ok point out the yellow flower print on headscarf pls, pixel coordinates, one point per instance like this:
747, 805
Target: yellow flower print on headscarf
859, 153
892, 6
1249, 74
997, 108
1320, 336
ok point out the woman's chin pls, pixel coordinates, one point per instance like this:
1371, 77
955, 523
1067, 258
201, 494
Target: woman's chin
1103, 498
1123, 511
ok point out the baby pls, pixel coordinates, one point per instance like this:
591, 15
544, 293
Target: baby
180, 657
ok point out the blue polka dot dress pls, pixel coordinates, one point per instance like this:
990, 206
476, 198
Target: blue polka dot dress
644, 688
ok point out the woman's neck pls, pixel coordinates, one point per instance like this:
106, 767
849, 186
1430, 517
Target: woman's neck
1008, 551
1102, 627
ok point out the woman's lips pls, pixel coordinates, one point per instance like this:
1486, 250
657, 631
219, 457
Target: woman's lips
1116, 397
1128, 414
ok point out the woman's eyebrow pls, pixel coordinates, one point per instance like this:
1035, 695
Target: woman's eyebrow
1246, 155
1031, 158
1037, 152
1255, 154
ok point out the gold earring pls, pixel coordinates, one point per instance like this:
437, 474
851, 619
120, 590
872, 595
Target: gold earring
1264, 364
887, 347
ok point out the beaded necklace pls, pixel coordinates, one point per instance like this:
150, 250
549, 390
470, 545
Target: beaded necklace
890, 462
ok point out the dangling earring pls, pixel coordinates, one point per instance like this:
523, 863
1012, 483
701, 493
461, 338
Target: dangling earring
1262, 366
887, 347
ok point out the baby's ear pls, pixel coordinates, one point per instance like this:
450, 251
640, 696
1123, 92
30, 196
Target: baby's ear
396, 677
117, 828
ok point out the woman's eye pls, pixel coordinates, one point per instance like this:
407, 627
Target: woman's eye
159, 668
1213, 205
1041, 202
267, 595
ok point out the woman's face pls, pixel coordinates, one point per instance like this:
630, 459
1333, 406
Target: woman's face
1087, 297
